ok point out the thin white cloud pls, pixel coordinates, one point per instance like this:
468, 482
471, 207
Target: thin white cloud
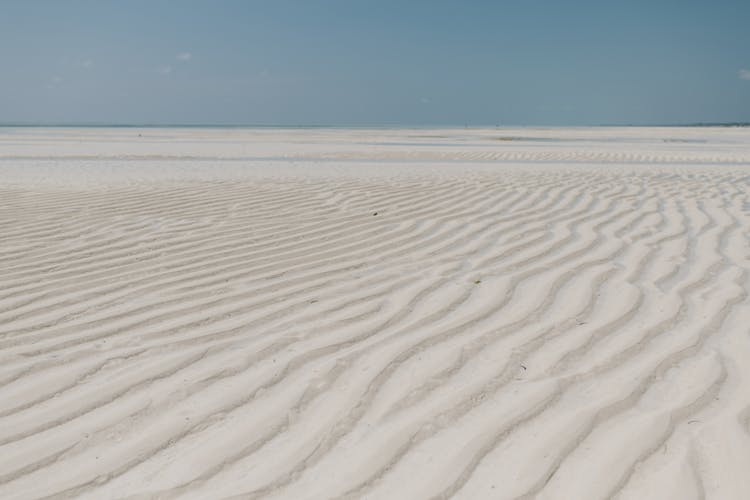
87, 63
54, 82
165, 70
184, 56
745, 74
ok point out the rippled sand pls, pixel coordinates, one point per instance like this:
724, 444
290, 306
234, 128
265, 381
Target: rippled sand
531, 313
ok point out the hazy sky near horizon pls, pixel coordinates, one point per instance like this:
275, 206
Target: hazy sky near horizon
379, 62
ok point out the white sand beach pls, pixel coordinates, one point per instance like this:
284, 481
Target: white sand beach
556, 313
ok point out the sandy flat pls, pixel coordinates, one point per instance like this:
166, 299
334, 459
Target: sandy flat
381, 314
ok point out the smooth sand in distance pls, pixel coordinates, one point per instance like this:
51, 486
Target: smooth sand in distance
385, 314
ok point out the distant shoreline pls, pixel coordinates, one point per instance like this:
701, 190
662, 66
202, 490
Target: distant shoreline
363, 127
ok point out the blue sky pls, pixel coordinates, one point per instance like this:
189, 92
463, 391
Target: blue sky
379, 62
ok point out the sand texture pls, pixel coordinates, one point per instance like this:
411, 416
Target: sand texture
380, 314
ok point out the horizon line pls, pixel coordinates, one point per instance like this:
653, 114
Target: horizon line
360, 126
